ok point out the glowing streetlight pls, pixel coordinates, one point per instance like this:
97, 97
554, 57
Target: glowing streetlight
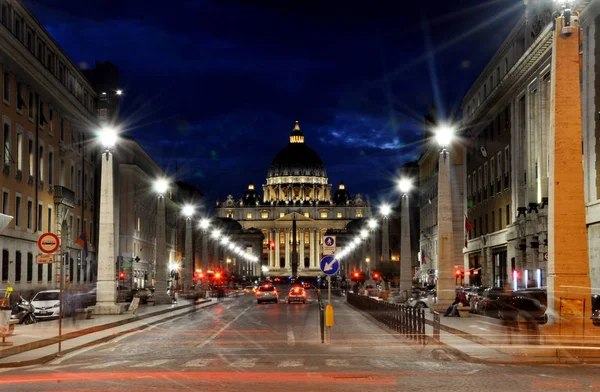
108, 138
385, 210
161, 186
215, 234
444, 135
372, 224
119, 92
188, 210
224, 240
364, 234
205, 224
405, 185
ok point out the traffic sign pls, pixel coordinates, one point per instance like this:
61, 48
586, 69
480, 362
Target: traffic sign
546, 256
44, 259
48, 242
329, 245
329, 265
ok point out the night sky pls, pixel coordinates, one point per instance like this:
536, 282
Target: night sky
217, 86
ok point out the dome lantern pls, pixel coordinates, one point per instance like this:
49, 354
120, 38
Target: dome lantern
297, 136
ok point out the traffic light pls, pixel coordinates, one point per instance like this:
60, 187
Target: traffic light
376, 275
457, 272
218, 275
121, 275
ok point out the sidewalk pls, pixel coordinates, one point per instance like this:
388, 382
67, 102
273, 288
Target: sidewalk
38, 343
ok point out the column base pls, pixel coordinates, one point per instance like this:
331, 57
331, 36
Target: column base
108, 308
162, 299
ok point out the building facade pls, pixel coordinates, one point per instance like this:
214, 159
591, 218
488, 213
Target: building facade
48, 113
507, 121
297, 189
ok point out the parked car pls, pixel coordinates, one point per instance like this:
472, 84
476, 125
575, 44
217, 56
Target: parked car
47, 304
523, 307
473, 296
492, 301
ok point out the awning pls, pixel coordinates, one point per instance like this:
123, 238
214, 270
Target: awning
4, 221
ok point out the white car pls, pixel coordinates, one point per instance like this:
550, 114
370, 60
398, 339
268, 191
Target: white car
46, 304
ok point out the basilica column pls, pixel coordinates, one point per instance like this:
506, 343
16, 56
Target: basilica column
270, 236
317, 248
277, 248
288, 261
311, 244
301, 250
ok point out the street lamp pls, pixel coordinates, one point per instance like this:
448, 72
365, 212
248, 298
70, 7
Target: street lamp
161, 186
405, 185
385, 210
187, 270
444, 135
106, 284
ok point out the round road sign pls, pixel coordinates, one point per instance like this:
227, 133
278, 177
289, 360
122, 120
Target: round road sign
48, 242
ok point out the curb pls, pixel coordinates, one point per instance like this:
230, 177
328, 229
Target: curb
50, 341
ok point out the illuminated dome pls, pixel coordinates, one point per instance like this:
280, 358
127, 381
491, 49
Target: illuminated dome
297, 159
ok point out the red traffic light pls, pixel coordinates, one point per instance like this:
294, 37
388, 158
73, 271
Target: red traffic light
356, 274
457, 272
218, 275
376, 275
122, 275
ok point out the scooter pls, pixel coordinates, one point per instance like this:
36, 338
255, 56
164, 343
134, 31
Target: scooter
23, 312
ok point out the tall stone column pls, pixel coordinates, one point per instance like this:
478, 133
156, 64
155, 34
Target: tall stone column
301, 250
205, 264
405, 256
106, 284
187, 270
569, 289
311, 246
445, 255
385, 239
277, 248
271, 237
160, 285
288, 259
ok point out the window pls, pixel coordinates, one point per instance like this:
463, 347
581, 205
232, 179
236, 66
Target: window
50, 118
50, 168
5, 264
40, 216
359, 213
229, 212
29, 40
4, 15
73, 180
29, 214
469, 188
484, 91
50, 272
307, 214
40, 272
6, 94
505, 65
249, 215
30, 143
20, 102
323, 214
20, 152
30, 107
492, 172
485, 180
62, 129
41, 163
281, 214
499, 172
5, 202
264, 214
493, 221
487, 227
506, 167
17, 266
500, 218
41, 118
339, 215
78, 229
139, 224
18, 211
6, 145
49, 219
30, 266
507, 214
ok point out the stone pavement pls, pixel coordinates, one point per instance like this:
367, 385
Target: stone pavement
38, 343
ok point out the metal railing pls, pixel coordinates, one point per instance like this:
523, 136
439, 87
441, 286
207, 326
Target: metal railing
405, 320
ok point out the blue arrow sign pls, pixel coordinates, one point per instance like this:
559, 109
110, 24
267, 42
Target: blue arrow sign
329, 265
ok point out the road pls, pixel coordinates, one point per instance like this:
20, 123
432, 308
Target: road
239, 345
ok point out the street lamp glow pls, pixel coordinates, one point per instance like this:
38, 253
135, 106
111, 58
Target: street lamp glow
405, 185
372, 224
108, 137
188, 210
356, 241
161, 186
205, 224
264, 268
444, 135
224, 240
385, 210
215, 234
364, 234
119, 92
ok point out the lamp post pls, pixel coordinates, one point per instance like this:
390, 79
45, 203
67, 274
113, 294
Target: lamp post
106, 284
445, 283
204, 226
187, 269
385, 211
405, 186
161, 297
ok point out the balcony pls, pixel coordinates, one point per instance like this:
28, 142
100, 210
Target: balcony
64, 196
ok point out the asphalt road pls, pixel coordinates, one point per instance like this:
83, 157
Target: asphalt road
239, 345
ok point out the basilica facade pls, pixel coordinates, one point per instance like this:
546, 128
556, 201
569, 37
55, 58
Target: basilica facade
297, 192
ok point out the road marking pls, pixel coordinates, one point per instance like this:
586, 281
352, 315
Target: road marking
291, 363
337, 362
109, 349
380, 363
106, 364
201, 362
244, 363
156, 362
290, 336
55, 367
210, 339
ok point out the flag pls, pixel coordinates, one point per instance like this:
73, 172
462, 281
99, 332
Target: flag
468, 226
82, 241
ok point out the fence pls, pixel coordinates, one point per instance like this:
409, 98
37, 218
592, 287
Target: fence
405, 320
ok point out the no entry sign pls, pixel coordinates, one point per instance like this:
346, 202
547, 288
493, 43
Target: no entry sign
48, 242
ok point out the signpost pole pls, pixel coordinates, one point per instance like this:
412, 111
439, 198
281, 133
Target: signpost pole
60, 299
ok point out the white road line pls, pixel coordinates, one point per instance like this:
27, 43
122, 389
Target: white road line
156, 362
210, 339
244, 363
337, 362
105, 365
201, 362
291, 363
290, 335
380, 363
45, 368
108, 349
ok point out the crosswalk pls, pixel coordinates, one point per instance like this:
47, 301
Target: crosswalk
225, 363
